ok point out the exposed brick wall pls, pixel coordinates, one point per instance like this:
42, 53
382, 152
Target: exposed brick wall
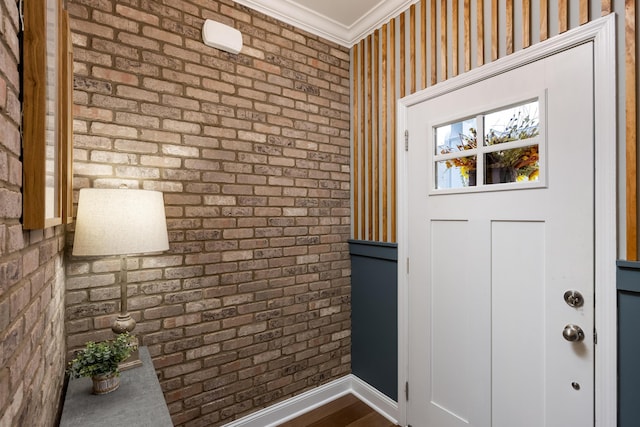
251, 304
31, 269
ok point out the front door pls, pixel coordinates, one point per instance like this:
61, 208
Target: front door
500, 228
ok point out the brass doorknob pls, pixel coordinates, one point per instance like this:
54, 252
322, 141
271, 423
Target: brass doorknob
573, 333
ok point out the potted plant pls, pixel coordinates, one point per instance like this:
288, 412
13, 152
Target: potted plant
100, 362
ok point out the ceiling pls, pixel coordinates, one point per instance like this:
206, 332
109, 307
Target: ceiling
343, 21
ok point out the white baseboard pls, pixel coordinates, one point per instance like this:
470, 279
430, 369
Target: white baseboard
307, 401
377, 400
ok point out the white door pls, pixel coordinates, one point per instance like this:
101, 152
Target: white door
490, 261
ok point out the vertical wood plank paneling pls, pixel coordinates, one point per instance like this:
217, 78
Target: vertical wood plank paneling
444, 66
392, 78
480, 32
412, 46
544, 20
380, 77
509, 25
369, 136
526, 23
375, 163
584, 12
494, 29
454, 38
363, 206
383, 134
403, 56
356, 142
467, 34
423, 44
631, 133
433, 43
563, 16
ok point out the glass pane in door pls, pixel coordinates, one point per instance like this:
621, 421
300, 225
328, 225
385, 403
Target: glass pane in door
512, 124
513, 165
459, 172
454, 137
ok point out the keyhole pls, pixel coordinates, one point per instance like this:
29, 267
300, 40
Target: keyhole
575, 386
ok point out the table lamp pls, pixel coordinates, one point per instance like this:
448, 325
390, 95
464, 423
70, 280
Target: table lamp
120, 222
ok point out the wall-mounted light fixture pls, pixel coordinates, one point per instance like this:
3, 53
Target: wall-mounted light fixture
220, 36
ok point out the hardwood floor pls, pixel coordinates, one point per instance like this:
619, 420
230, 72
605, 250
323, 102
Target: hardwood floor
346, 411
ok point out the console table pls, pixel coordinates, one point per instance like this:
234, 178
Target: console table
138, 402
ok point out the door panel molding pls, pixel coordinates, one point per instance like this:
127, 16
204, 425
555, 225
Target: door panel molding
601, 33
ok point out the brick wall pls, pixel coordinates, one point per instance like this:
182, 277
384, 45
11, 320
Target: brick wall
251, 304
31, 269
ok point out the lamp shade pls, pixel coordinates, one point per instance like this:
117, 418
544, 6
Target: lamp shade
120, 222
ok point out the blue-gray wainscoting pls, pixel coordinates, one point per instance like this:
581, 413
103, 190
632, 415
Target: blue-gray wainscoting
628, 283
374, 314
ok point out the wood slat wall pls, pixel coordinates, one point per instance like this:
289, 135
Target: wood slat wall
398, 57
631, 75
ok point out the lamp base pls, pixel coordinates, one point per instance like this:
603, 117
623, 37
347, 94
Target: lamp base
125, 323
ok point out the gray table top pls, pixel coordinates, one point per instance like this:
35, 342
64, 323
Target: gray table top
137, 402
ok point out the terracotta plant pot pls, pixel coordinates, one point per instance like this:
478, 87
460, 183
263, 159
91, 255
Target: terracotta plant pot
103, 384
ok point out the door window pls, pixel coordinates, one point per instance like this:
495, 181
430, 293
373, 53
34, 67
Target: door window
508, 155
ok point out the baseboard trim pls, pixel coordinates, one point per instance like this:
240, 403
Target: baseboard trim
309, 400
377, 400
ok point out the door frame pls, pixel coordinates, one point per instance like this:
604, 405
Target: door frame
602, 33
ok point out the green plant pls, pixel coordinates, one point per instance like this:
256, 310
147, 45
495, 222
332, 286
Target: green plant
101, 358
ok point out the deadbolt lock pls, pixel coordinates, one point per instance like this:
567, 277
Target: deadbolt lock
574, 298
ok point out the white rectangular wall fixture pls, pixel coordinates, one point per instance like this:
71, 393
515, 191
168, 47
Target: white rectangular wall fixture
221, 36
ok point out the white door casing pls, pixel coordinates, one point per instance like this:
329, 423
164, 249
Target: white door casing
600, 34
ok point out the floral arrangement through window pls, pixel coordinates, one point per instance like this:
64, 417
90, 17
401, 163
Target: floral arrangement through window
508, 165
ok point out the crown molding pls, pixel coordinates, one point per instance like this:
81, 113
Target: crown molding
306, 19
